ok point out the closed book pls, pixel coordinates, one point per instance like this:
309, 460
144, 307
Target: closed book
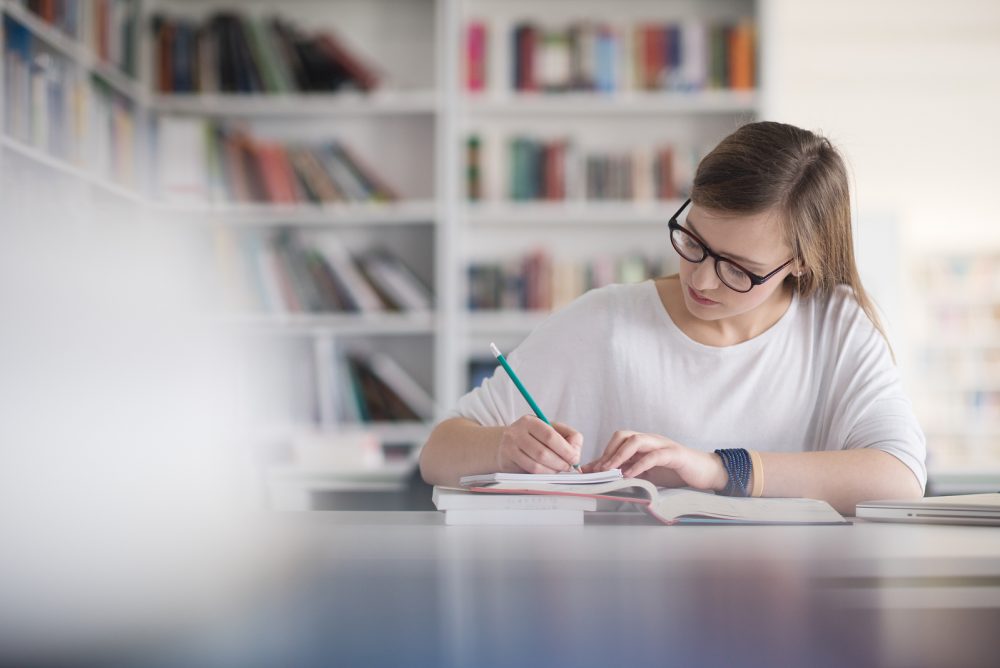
395, 281
475, 59
452, 498
361, 74
399, 381
513, 517
347, 275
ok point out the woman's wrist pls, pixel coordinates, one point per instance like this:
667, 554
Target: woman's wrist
721, 477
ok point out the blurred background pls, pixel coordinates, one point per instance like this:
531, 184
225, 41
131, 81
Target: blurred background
251, 251
289, 230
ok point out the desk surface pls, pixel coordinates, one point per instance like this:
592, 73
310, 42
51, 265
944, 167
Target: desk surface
402, 588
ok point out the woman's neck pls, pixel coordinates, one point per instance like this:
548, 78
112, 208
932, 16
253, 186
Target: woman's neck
724, 331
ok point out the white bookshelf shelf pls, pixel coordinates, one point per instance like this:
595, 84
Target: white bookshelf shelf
76, 51
61, 166
342, 324
616, 104
484, 323
382, 103
574, 212
410, 212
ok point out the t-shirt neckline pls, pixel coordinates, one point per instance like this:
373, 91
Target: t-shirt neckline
749, 345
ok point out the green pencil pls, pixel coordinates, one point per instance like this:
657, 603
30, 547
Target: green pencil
524, 392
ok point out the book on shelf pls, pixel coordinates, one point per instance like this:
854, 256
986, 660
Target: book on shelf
686, 56
239, 168
538, 282
669, 506
561, 170
235, 52
476, 49
363, 387
51, 105
292, 272
106, 27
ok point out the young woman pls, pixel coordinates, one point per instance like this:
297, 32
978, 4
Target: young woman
761, 368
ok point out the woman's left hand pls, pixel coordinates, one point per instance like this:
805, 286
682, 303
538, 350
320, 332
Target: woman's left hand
660, 460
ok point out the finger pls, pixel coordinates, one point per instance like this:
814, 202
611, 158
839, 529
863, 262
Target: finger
555, 443
528, 464
632, 445
543, 451
614, 443
642, 464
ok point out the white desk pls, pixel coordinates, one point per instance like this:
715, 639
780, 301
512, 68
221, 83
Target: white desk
401, 588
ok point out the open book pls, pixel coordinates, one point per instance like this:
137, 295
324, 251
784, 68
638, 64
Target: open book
670, 506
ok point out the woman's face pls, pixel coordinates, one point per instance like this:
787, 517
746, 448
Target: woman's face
754, 242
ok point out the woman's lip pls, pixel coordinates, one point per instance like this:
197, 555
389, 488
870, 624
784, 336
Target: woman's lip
698, 298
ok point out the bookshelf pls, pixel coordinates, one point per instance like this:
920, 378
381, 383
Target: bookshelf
71, 103
957, 363
412, 130
593, 91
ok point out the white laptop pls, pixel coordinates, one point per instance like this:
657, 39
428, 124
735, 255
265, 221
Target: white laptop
965, 509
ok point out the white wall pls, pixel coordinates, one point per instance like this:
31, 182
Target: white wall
910, 90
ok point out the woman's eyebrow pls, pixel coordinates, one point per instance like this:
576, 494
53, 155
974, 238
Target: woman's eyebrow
745, 260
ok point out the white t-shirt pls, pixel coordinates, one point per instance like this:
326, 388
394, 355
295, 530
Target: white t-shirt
821, 378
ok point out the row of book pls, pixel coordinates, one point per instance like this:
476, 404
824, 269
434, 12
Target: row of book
293, 272
234, 52
106, 27
592, 56
558, 169
201, 161
539, 282
51, 105
365, 386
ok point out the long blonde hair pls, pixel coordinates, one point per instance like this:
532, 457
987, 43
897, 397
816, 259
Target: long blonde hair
800, 175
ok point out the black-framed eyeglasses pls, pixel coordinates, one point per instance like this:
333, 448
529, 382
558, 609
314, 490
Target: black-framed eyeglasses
691, 248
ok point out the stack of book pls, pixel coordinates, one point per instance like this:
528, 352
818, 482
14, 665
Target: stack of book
293, 272
237, 53
537, 282
464, 507
684, 56
202, 162
106, 27
559, 170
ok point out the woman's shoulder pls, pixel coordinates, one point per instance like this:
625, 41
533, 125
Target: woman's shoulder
839, 305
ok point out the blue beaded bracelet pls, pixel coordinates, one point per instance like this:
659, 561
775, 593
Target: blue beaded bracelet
738, 467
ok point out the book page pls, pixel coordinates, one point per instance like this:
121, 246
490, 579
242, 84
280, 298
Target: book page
676, 503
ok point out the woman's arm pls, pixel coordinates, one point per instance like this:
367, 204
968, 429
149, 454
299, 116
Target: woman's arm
459, 447
842, 478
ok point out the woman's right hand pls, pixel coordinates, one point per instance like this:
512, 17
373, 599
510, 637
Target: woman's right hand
531, 446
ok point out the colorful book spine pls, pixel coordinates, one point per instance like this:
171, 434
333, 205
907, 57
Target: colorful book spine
233, 52
537, 281
555, 170
475, 56
683, 56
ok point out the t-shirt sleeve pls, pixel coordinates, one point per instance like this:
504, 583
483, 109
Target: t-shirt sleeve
544, 362
868, 405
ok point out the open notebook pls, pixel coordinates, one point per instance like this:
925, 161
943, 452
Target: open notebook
670, 506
